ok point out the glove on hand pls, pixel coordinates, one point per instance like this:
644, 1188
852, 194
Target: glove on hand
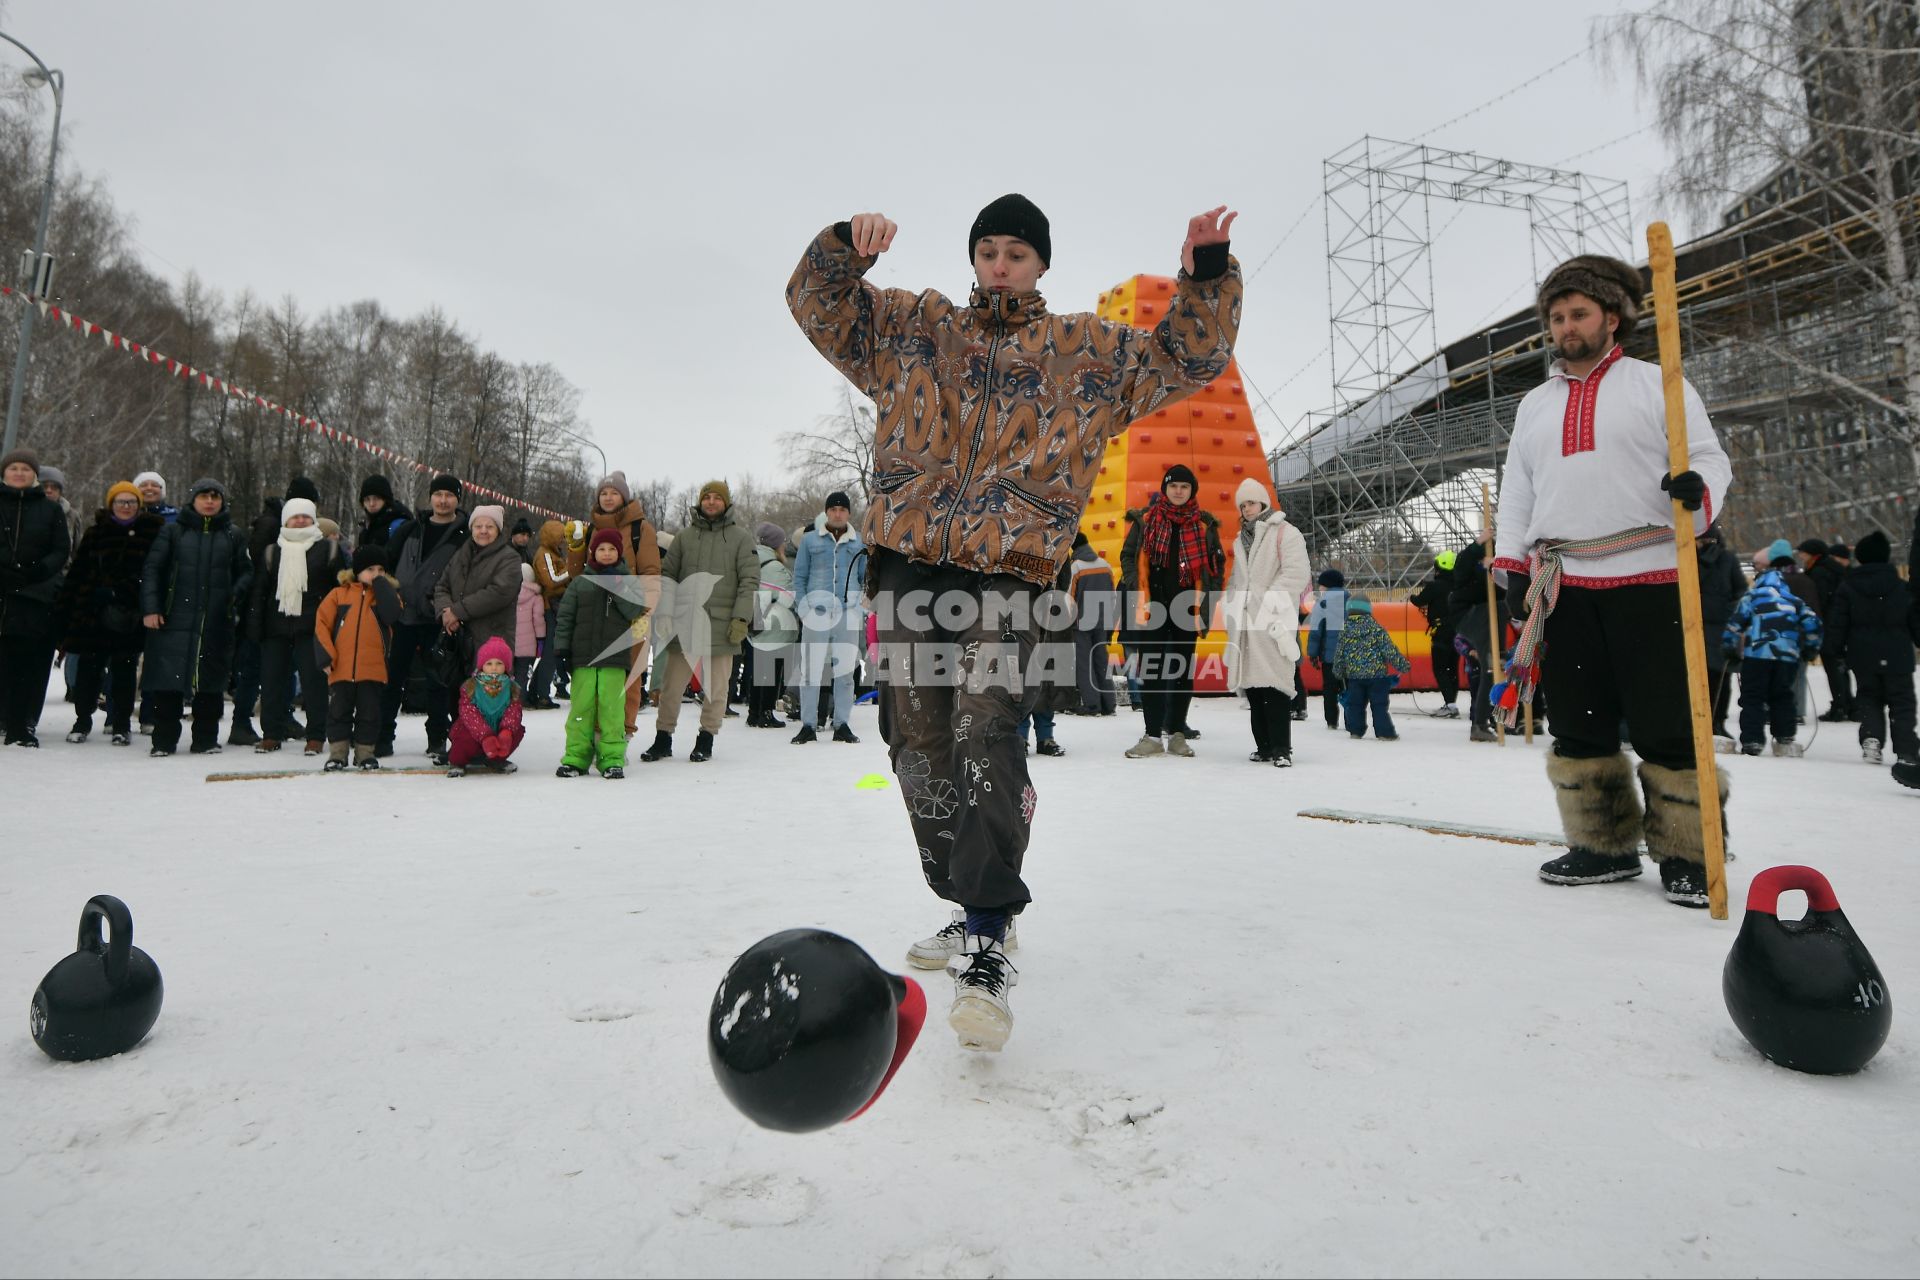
1688, 487
736, 631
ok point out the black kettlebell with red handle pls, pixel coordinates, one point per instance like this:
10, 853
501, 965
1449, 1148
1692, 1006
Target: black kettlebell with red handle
102, 999
1805, 992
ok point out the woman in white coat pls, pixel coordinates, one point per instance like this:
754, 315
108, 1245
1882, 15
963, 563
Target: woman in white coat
1270, 572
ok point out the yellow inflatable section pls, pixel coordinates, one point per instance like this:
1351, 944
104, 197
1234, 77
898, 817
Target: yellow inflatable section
1212, 432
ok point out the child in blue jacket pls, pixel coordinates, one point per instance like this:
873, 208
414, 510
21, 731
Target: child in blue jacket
1370, 665
1770, 628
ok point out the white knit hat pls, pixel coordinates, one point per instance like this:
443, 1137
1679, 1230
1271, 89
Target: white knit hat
153, 476
298, 507
493, 512
1251, 490
526, 572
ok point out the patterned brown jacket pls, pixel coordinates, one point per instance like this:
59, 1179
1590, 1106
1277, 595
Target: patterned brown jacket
992, 418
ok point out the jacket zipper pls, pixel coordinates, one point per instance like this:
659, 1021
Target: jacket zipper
997, 309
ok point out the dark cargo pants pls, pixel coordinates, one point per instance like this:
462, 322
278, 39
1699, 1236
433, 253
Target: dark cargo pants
956, 674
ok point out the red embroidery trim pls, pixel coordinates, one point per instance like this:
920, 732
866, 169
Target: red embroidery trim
1511, 565
1651, 577
1576, 427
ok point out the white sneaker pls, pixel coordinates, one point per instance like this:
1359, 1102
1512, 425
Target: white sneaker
1446, 711
935, 952
1788, 747
1147, 746
1724, 745
80, 735
1869, 750
981, 976
1177, 745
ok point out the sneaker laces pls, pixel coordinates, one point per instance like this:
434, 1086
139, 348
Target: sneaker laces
953, 929
988, 970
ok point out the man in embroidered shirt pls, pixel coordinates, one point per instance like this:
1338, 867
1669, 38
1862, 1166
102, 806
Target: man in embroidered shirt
991, 423
1585, 538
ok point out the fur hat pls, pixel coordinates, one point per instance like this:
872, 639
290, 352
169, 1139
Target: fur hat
298, 507
490, 511
770, 535
495, 647
1252, 490
369, 557
377, 486
1178, 473
612, 536
301, 487
1608, 281
1013, 215
719, 487
21, 455
617, 481
1873, 549
121, 486
450, 483
150, 477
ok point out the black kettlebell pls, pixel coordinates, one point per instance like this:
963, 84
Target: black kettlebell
806, 1030
102, 999
1805, 992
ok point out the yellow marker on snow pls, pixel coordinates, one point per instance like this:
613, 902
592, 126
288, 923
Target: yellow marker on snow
873, 782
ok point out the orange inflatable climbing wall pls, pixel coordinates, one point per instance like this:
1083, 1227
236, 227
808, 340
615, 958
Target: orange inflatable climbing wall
1212, 432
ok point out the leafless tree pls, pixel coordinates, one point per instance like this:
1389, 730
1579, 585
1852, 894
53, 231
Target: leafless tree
838, 452
1809, 110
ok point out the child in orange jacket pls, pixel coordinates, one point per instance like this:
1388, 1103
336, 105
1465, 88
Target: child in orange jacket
354, 629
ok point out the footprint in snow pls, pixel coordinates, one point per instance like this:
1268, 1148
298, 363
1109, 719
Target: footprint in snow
766, 1200
605, 1011
958, 1261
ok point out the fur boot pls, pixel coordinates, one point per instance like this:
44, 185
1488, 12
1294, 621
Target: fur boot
1598, 808
1673, 812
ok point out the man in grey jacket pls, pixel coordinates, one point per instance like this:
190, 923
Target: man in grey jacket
419, 554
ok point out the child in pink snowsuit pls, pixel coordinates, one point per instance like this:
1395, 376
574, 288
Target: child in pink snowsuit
487, 727
530, 626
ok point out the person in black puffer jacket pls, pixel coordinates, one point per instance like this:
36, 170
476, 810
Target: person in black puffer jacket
384, 515
1827, 574
195, 579
1873, 624
291, 577
97, 614
33, 551
1722, 583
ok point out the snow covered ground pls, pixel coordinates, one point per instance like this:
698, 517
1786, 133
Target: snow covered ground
416, 1026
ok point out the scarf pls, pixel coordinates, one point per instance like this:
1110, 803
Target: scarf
1247, 528
292, 588
1161, 522
1545, 564
491, 694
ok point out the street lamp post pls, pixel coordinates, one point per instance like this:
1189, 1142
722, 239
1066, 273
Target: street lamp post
58, 83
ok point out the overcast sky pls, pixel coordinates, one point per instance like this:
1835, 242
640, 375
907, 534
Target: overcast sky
622, 190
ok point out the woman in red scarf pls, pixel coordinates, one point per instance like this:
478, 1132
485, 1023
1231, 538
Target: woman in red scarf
1170, 569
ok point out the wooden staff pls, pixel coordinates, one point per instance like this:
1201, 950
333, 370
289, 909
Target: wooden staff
1666, 310
1493, 612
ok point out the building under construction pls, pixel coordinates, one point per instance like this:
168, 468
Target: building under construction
1801, 371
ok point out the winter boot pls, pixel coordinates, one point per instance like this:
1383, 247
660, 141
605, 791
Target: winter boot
337, 753
365, 755
702, 748
569, 771
334, 764
662, 747
1147, 746
981, 976
1907, 773
1048, 747
1601, 818
613, 773
841, 733
1870, 750
1673, 829
937, 951
805, 735
266, 746
1789, 748
242, 734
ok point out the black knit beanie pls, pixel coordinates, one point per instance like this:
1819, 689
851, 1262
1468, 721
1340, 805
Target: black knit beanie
1608, 281
1179, 473
302, 487
838, 498
1332, 578
1874, 548
377, 486
369, 557
449, 483
1013, 215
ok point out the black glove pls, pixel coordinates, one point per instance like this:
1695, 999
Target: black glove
1688, 487
563, 664
1517, 587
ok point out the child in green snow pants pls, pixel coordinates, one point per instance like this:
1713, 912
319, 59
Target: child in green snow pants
598, 705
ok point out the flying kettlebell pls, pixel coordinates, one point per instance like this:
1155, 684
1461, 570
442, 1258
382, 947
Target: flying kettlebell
102, 999
1805, 992
807, 1031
